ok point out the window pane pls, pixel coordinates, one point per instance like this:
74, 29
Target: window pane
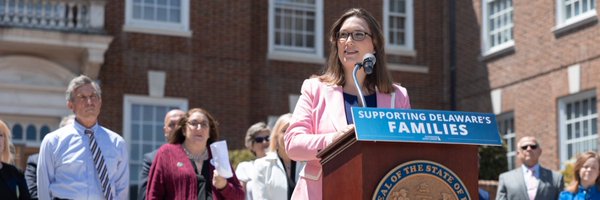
17, 132
44, 131
149, 13
161, 2
31, 133
148, 113
147, 132
135, 132
175, 15
135, 112
135, 150
176, 3
137, 12
161, 14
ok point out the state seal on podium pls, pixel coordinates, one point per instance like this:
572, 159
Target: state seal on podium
421, 179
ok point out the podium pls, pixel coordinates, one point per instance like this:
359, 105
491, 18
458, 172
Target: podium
353, 169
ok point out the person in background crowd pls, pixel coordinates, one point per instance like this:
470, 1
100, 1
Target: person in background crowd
277, 174
257, 141
171, 120
530, 181
83, 160
323, 112
12, 181
31, 170
586, 184
182, 169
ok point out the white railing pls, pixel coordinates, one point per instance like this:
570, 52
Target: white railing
75, 15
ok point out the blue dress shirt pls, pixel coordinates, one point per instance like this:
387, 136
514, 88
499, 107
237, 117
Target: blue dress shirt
590, 193
66, 169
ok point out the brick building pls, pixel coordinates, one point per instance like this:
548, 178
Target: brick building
244, 61
541, 61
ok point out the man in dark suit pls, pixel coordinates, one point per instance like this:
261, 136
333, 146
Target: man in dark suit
530, 181
171, 120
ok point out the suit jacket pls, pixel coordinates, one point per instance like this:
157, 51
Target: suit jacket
511, 185
148, 158
31, 175
320, 113
271, 180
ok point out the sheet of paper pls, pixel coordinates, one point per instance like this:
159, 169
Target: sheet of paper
220, 158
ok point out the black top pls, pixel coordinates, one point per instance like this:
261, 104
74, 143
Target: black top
11, 181
352, 101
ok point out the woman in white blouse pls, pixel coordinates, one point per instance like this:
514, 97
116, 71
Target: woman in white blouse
276, 174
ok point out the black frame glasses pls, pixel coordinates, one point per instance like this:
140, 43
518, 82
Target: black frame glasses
356, 35
261, 139
532, 146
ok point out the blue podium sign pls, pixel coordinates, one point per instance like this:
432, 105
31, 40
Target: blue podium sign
430, 126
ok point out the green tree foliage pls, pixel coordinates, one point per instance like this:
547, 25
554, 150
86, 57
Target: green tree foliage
240, 155
492, 162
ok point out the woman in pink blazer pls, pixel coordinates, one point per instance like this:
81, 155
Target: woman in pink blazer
322, 113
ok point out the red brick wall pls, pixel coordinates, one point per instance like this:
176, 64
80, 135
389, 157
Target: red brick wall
534, 77
224, 68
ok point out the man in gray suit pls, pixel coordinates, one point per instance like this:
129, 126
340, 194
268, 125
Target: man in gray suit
530, 181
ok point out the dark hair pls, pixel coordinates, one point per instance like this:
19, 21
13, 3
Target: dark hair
581, 159
334, 71
178, 137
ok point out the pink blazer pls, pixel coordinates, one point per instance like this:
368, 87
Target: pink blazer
320, 113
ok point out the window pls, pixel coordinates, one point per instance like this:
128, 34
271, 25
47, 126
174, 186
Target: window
296, 30
573, 12
168, 17
506, 124
398, 26
17, 132
497, 26
143, 127
578, 125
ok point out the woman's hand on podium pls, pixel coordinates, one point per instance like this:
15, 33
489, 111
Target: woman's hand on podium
340, 133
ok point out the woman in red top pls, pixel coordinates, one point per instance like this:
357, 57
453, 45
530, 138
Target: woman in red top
182, 169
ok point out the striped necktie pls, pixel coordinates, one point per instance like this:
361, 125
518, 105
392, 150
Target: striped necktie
100, 165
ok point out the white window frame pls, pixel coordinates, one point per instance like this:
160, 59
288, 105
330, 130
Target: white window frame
486, 47
563, 24
129, 100
181, 29
407, 49
509, 137
562, 121
316, 56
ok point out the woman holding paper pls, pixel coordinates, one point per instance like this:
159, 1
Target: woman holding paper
182, 168
322, 113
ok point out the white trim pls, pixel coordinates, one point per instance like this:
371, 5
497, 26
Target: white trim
408, 68
167, 32
296, 57
289, 55
562, 121
155, 27
156, 83
408, 49
574, 79
496, 96
508, 136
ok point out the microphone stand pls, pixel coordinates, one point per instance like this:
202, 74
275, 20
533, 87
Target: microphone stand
360, 94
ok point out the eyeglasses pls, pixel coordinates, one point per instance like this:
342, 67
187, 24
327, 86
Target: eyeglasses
261, 139
356, 36
198, 125
532, 146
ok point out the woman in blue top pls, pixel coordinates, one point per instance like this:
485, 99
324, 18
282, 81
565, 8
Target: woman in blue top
585, 185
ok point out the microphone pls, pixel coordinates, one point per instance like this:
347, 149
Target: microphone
368, 62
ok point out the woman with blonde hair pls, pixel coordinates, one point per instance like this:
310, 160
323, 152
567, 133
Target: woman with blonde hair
277, 174
12, 180
586, 182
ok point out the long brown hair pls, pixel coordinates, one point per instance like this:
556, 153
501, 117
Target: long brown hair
178, 135
578, 165
334, 71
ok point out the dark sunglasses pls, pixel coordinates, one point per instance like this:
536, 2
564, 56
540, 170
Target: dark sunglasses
261, 139
532, 146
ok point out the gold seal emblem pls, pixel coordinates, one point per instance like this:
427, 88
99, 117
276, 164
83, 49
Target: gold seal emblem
421, 180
